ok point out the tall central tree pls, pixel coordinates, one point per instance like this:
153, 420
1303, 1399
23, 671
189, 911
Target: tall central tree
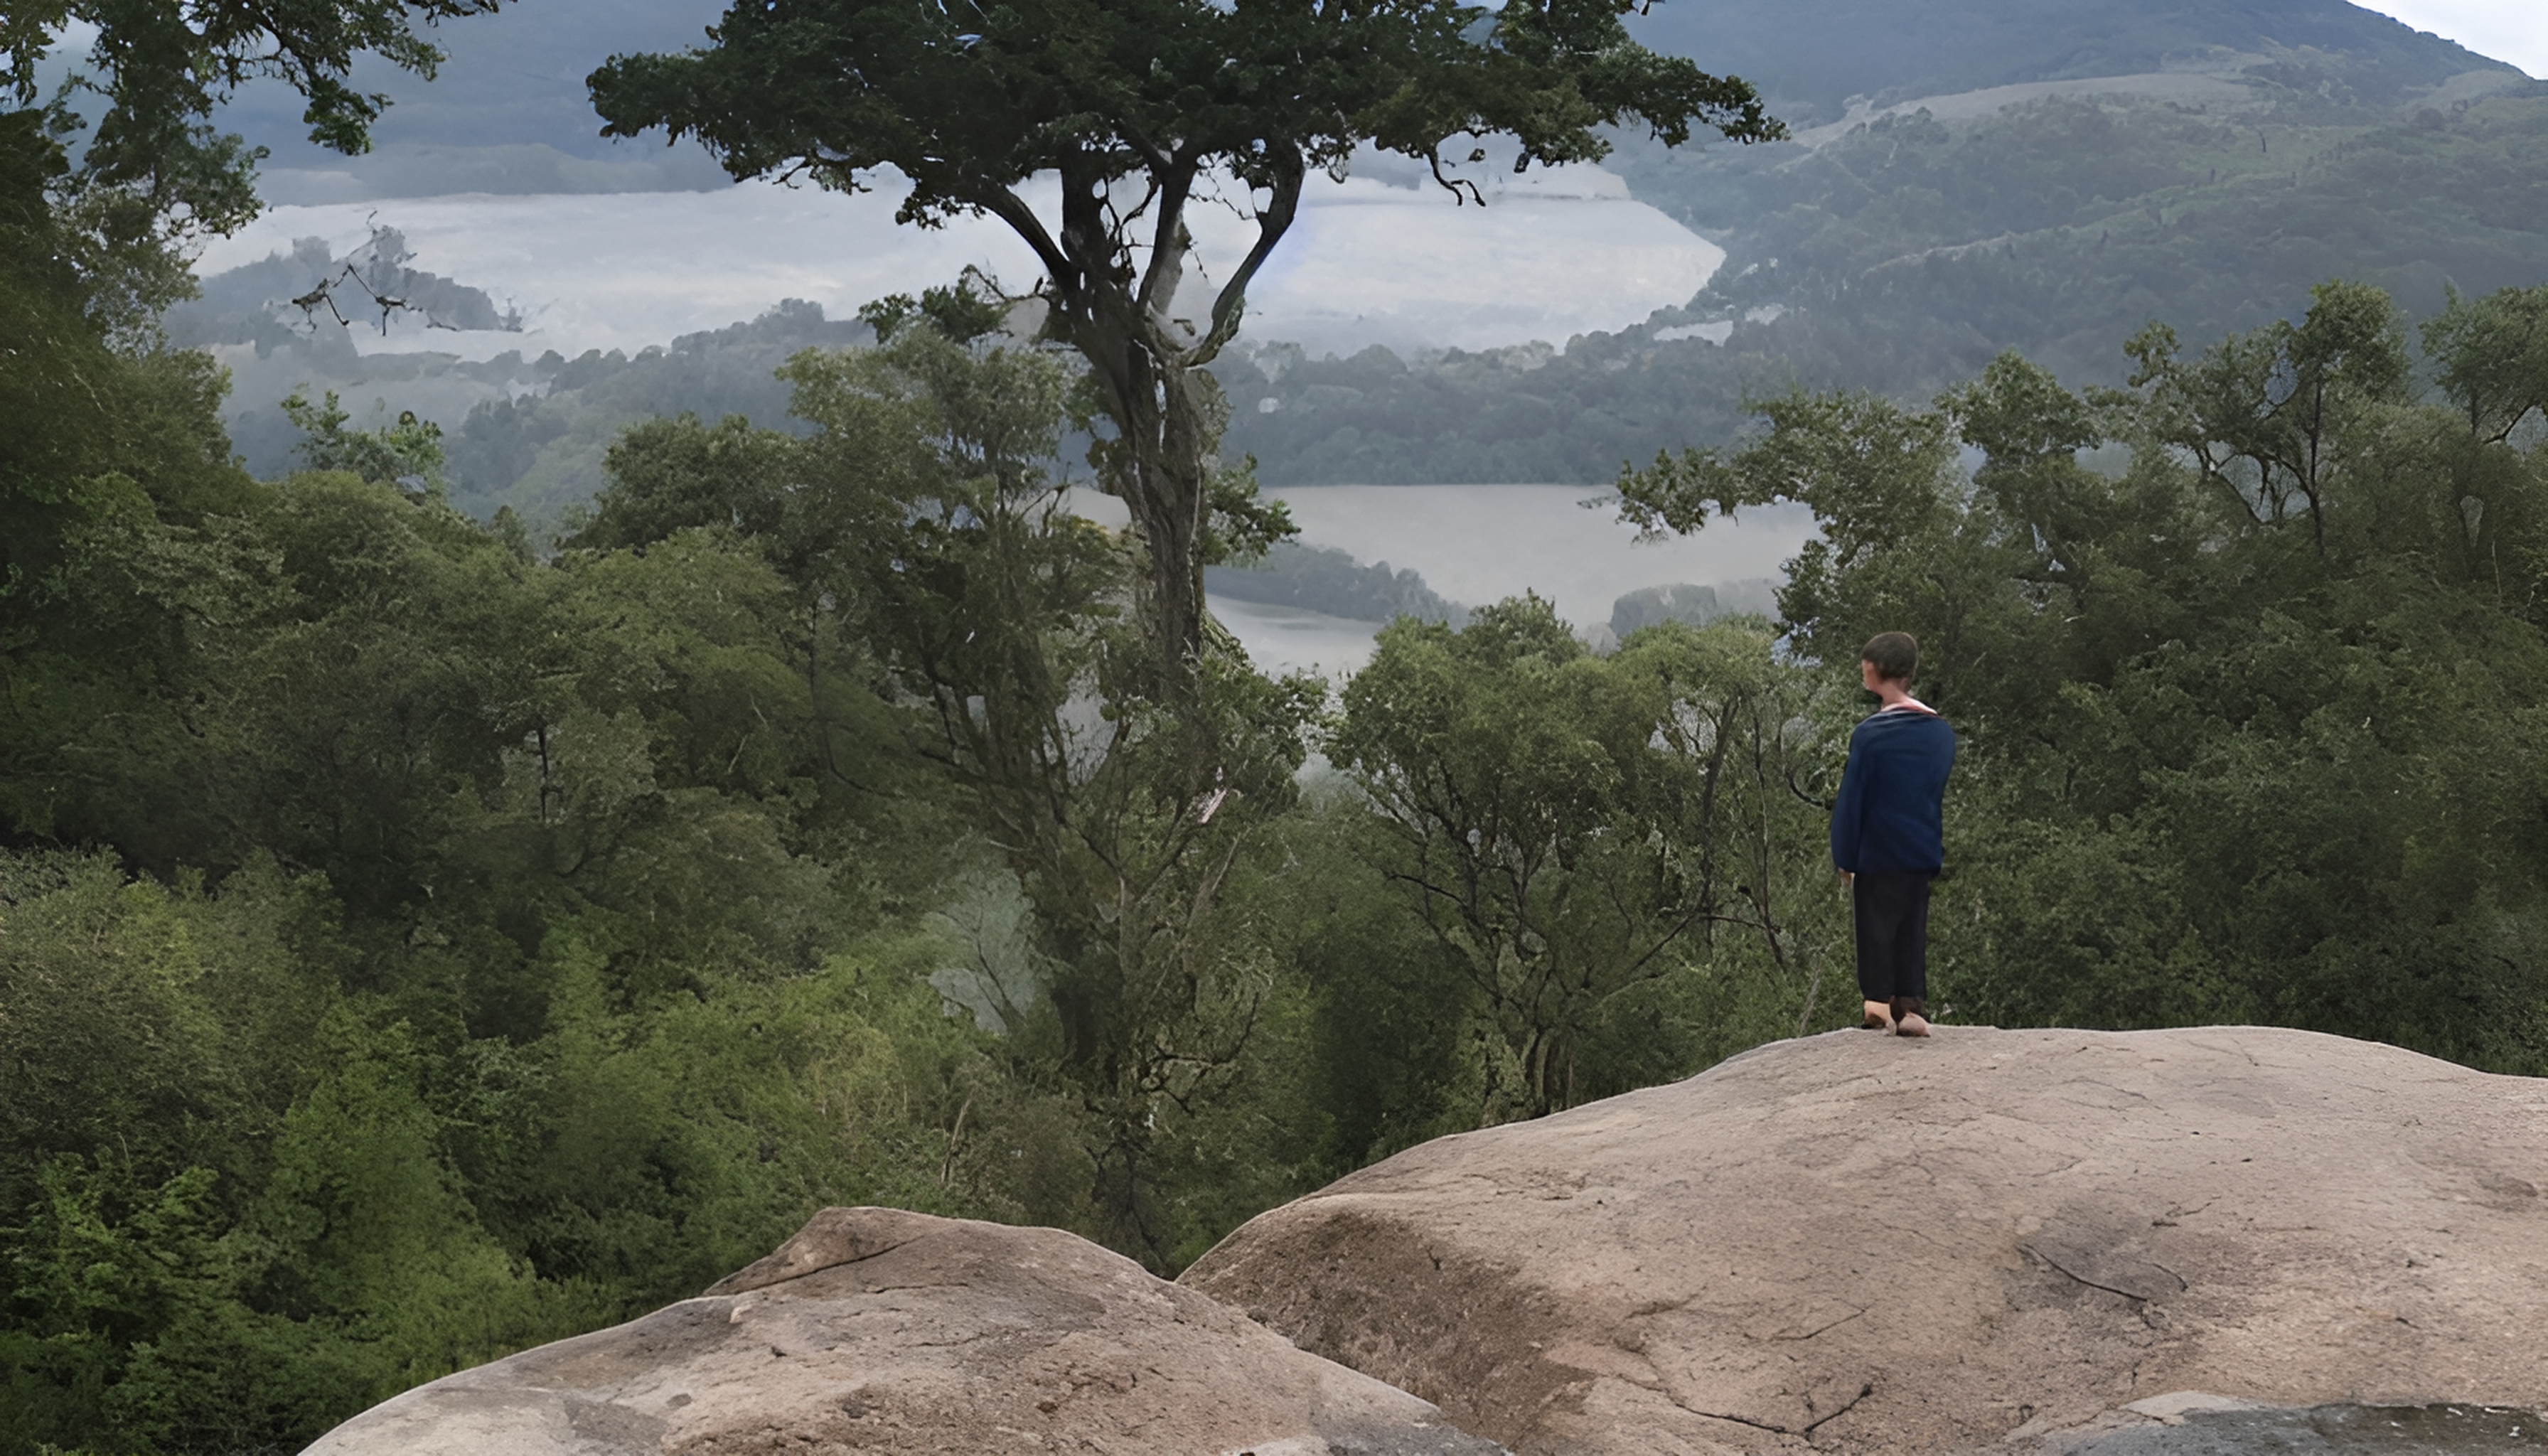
1142, 109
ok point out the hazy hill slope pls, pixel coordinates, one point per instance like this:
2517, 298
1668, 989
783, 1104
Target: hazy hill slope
1911, 253
1904, 252
531, 433
515, 78
1913, 248
1811, 56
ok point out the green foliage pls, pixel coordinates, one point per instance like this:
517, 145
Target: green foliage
2494, 357
1574, 828
171, 1054
2247, 714
243, 1203
924, 511
115, 488
406, 454
1912, 251
2274, 414
971, 100
1526, 413
598, 997
963, 311
517, 946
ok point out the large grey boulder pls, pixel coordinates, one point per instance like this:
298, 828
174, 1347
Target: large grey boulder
1861, 1243
876, 1330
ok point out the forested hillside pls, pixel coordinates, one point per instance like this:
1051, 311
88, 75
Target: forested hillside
2265, 148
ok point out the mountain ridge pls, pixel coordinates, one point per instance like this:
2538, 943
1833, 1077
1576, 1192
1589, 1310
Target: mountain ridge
1812, 58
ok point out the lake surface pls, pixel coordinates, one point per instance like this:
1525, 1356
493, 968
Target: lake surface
1478, 544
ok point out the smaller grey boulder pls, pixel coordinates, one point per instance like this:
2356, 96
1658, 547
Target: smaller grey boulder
884, 1332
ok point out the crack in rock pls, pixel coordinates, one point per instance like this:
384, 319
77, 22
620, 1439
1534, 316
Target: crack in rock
2111, 1270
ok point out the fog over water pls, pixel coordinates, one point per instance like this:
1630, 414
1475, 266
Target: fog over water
1478, 544
1371, 260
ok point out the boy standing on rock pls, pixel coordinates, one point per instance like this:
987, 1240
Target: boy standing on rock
1888, 833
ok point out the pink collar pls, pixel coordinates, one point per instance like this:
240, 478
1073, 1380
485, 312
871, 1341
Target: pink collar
1908, 705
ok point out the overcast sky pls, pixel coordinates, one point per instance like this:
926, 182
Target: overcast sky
2508, 30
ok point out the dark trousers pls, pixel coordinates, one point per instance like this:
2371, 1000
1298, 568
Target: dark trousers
1893, 912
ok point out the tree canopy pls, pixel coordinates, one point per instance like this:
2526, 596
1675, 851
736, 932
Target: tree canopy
2250, 693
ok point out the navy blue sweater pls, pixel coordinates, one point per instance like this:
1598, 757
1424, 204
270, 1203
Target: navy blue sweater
1886, 821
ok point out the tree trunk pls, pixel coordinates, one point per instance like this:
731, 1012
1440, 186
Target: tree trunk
1121, 317
1160, 461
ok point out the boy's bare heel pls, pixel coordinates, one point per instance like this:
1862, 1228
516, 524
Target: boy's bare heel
1879, 1017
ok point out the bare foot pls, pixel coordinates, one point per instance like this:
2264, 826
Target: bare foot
1913, 1024
1879, 1017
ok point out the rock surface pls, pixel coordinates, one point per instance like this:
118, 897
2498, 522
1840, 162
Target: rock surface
876, 1330
1864, 1242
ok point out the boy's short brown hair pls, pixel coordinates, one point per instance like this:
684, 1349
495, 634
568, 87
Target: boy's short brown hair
1895, 656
